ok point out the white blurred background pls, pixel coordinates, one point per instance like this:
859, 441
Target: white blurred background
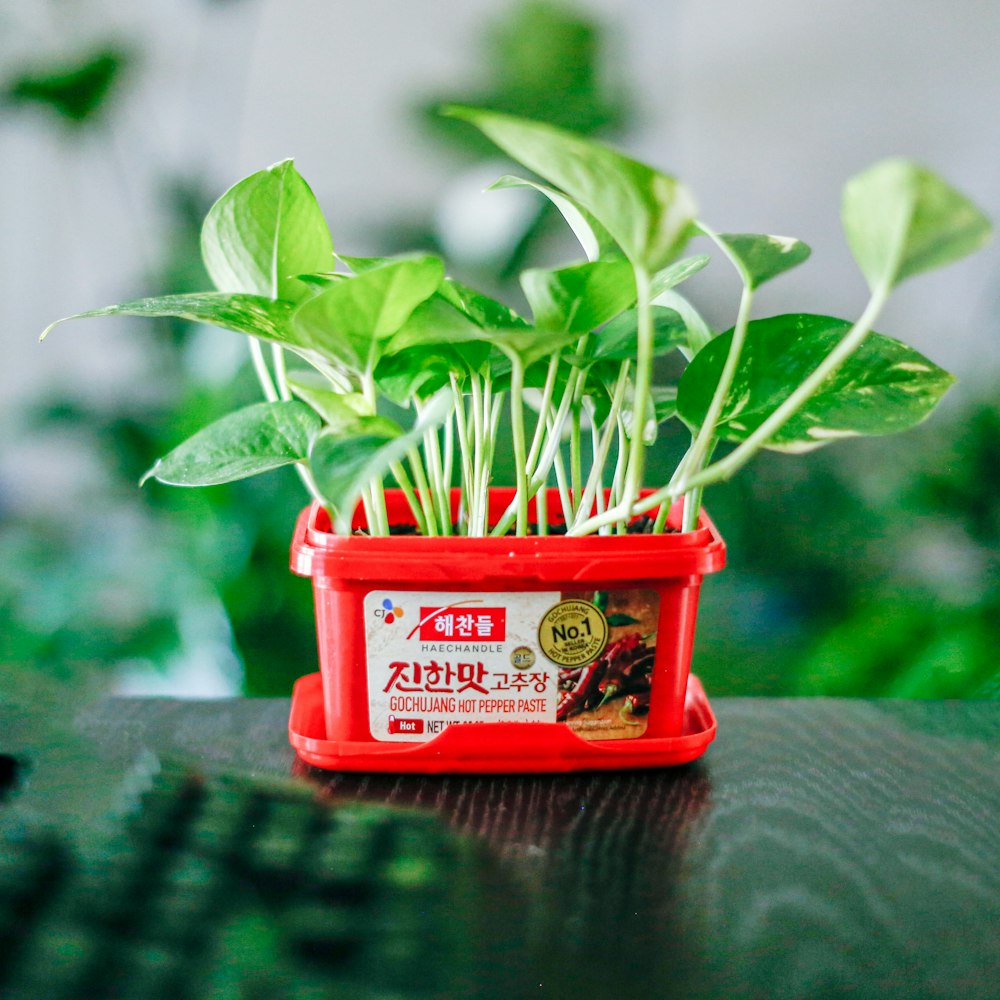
764, 109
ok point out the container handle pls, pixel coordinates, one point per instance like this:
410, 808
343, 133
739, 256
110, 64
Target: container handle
301, 560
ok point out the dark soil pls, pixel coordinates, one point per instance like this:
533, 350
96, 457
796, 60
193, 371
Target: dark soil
642, 525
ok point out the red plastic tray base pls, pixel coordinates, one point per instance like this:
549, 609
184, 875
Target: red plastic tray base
495, 747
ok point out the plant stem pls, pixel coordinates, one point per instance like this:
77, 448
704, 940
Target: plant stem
701, 445
479, 444
692, 506
542, 511
517, 433
543, 413
449, 456
280, 372
539, 476
423, 490
492, 409
435, 467
602, 446
273, 395
551, 449
399, 473
692, 499
377, 488
621, 463
564, 497
643, 381
462, 426
263, 373
575, 464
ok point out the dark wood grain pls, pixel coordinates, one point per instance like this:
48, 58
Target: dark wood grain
821, 849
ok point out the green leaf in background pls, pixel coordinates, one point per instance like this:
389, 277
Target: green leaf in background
350, 318
255, 315
252, 440
901, 219
344, 464
76, 90
760, 257
649, 214
543, 59
596, 241
263, 232
580, 298
882, 388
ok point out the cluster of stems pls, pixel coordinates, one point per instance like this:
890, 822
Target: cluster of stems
552, 437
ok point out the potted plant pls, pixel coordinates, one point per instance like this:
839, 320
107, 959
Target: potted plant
560, 608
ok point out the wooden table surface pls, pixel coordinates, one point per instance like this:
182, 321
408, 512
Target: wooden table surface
822, 848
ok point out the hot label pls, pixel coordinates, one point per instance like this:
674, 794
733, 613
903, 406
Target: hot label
405, 725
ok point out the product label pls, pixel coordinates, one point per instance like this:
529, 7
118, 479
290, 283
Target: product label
440, 659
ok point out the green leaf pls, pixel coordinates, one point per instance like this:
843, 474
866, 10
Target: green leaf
698, 331
338, 409
648, 213
480, 309
252, 440
263, 232
435, 322
254, 315
506, 330
361, 264
418, 372
580, 298
531, 345
882, 388
901, 219
760, 257
351, 318
676, 273
664, 402
594, 238
344, 465
619, 339
321, 279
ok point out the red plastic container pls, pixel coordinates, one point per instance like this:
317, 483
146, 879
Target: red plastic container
417, 635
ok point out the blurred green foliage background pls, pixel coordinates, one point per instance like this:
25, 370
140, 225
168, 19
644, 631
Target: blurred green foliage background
871, 568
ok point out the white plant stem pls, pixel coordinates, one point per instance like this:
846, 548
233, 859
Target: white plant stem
602, 447
517, 434
273, 394
643, 382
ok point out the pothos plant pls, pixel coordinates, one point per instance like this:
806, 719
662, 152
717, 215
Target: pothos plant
401, 330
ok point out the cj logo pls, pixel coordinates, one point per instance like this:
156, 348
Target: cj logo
388, 612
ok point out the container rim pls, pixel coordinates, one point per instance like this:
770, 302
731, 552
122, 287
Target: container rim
319, 553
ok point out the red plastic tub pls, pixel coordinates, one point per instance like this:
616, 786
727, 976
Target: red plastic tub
561, 653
